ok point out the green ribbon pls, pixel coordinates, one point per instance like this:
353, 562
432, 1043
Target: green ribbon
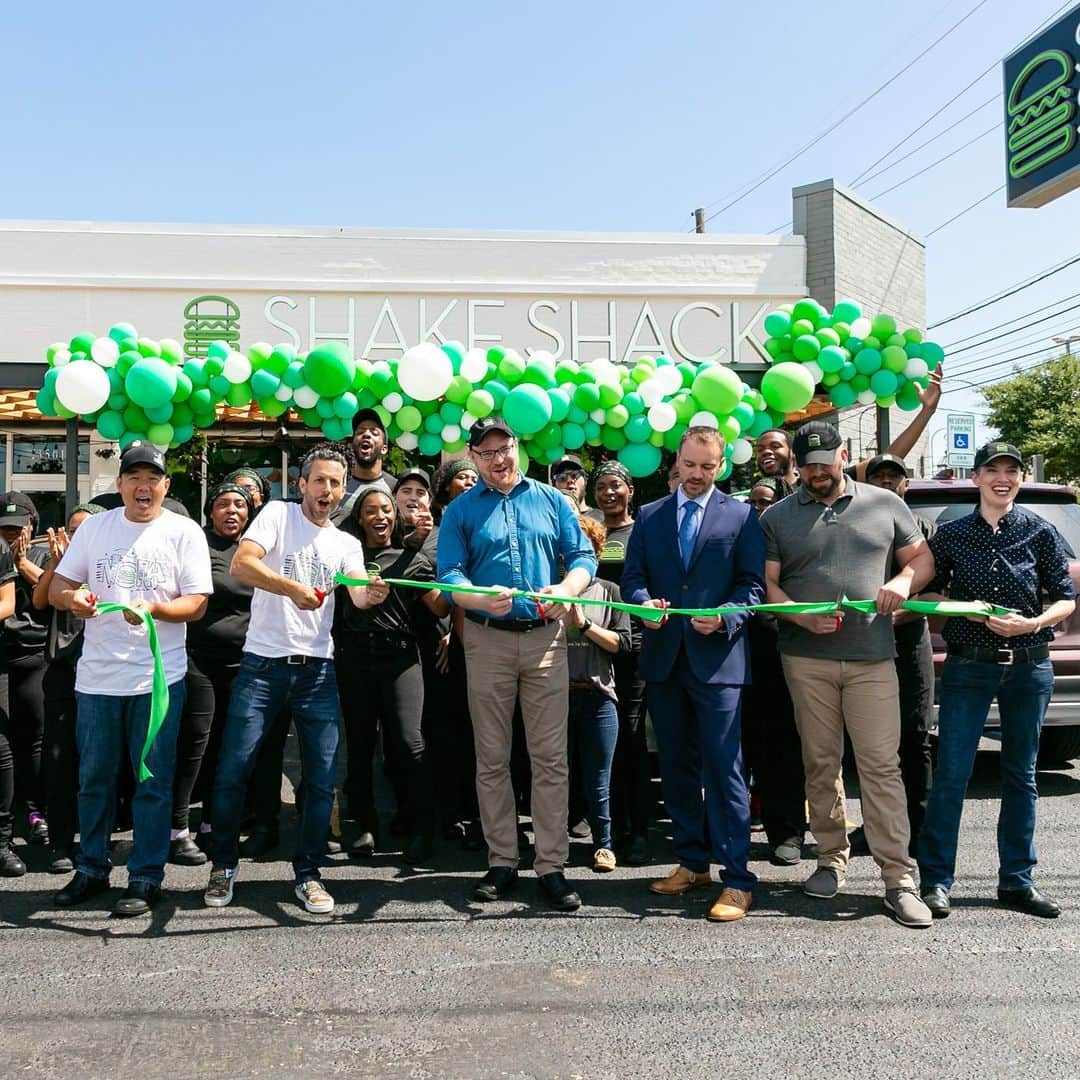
947, 608
159, 695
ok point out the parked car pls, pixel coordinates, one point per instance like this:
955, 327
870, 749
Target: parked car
945, 500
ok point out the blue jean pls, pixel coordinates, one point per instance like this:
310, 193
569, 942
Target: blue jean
594, 730
699, 736
263, 688
107, 727
968, 688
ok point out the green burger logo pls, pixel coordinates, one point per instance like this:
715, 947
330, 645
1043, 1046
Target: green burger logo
1041, 112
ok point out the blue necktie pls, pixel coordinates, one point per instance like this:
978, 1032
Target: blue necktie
688, 532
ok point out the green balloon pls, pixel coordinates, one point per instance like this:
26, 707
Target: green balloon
846, 311
526, 409
717, 388
640, 459
480, 403
182, 434
346, 406
883, 383
329, 369
729, 429
867, 361
831, 359
932, 353
217, 350
498, 391
450, 413
510, 367
775, 346
777, 324
219, 386
860, 382
613, 438
150, 382
806, 347
760, 424
293, 375
894, 359
587, 397
634, 403
908, 396
593, 432
110, 425
121, 331
434, 424
194, 369
617, 416
81, 342
459, 390
882, 326
181, 415
872, 342
808, 311
264, 383
129, 437
830, 378
673, 436
539, 375
913, 350
573, 436
238, 395
278, 360
409, 418
159, 414
550, 435
913, 336
609, 395
827, 336
201, 401
135, 419
160, 434
325, 408
183, 387
744, 414
787, 388
430, 444
560, 404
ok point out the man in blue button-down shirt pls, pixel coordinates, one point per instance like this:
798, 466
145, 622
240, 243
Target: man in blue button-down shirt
512, 532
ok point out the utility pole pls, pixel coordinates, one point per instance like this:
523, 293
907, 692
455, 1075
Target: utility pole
1067, 342
699, 219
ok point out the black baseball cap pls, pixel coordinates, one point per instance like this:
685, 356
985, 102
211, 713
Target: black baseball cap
566, 463
485, 426
816, 443
995, 450
141, 452
17, 509
881, 461
415, 474
368, 414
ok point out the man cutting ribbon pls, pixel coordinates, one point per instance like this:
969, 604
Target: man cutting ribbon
155, 563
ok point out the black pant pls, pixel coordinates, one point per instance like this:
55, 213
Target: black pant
381, 686
27, 708
772, 750
201, 725
631, 783
915, 673
7, 768
60, 756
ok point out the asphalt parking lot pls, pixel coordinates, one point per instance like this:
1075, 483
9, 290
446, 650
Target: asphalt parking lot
409, 978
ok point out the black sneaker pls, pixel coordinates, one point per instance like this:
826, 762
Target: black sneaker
81, 887
557, 891
10, 863
496, 884
60, 861
139, 897
185, 852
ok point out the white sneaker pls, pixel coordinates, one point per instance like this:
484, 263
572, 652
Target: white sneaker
219, 889
313, 895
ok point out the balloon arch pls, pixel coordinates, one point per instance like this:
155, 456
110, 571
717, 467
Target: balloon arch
134, 387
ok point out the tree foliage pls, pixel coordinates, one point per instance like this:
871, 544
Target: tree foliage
1039, 412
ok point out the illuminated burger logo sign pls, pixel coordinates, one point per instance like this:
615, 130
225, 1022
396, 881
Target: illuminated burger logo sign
1042, 148
207, 319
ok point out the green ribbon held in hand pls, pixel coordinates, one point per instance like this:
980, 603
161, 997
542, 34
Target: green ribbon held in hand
947, 608
159, 695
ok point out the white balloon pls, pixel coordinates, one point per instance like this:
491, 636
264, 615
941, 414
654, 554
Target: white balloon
544, 358
867, 397
408, 440
83, 387
704, 419
599, 415
474, 365
425, 371
105, 352
651, 392
61, 357
283, 393
861, 328
815, 370
741, 452
305, 397
393, 401
916, 368
662, 416
467, 420
237, 368
451, 433
669, 377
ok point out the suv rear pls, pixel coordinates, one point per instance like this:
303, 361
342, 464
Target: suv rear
945, 500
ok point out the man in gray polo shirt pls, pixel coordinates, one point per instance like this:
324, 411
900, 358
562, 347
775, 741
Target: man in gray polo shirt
834, 537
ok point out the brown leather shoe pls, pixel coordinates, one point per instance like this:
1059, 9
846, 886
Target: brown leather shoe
730, 905
679, 881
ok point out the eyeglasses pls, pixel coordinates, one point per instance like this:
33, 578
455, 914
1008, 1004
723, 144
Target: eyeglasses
496, 454
569, 474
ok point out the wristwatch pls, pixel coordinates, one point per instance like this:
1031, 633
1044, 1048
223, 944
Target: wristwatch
587, 625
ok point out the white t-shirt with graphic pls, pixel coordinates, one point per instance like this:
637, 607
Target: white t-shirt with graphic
310, 555
127, 561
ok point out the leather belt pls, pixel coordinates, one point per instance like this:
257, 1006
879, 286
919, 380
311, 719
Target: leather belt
1000, 656
515, 626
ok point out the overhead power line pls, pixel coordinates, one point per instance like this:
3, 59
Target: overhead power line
967, 209
1009, 322
1011, 290
934, 164
847, 116
973, 363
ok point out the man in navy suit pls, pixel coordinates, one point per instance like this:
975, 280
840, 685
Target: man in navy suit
698, 548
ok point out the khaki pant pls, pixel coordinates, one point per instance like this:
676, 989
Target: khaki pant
502, 667
861, 695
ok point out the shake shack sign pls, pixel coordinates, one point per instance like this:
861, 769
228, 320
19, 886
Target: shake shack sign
1042, 83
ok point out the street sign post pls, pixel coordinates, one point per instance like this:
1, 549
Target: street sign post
960, 440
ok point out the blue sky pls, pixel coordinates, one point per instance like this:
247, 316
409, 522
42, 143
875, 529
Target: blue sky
579, 115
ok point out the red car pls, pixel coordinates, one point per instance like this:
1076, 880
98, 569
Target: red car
946, 500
